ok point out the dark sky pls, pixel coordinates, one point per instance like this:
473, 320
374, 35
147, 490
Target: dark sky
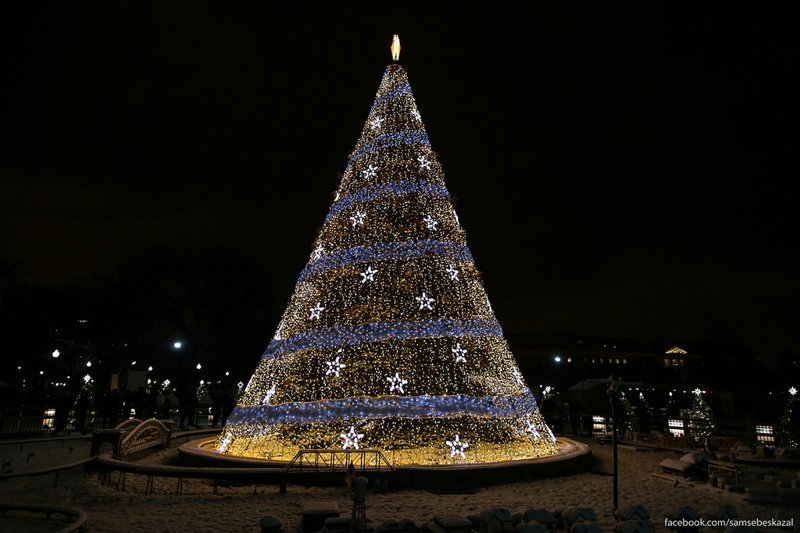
620, 172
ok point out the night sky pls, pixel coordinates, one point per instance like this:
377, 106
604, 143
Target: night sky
619, 172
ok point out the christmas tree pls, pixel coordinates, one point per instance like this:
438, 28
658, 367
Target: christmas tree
701, 419
389, 341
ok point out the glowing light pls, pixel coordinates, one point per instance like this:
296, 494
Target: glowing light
88, 363
557, 359
396, 47
457, 447
425, 301
368, 274
227, 373
460, 353
792, 391
697, 392
198, 366
56, 353
177, 345
334, 367
315, 311
87, 378
150, 368
396, 383
351, 438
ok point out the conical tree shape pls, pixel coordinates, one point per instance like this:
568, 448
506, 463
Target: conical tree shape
389, 341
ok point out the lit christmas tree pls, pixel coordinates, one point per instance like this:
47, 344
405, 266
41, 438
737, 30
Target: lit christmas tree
389, 341
701, 419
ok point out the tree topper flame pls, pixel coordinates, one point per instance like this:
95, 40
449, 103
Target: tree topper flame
396, 47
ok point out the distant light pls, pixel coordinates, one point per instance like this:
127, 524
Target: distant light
202, 382
557, 359
19, 368
177, 345
199, 366
56, 353
88, 363
133, 363
227, 373
697, 392
150, 368
41, 372
792, 391
670, 394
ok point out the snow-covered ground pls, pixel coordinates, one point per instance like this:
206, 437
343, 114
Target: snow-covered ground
238, 509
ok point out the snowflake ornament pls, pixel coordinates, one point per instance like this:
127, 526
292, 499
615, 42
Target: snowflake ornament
368, 274
315, 311
335, 366
358, 218
396, 383
453, 272
416, 115
424, 163
457, 447
376, 123
792, 391
268, 395
460, 353
317, 253
430, 222
517, 376
370, 172
532, 430
425, 301
351, 438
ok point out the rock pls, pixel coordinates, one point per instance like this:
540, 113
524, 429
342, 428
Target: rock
271, 524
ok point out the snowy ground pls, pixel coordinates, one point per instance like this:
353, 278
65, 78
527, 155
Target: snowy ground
238, 509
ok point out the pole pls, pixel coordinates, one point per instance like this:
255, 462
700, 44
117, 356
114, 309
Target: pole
614, 452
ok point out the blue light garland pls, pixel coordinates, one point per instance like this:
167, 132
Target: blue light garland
383, 407
385, 190
391, 95
335, 337
389, 139
386, 251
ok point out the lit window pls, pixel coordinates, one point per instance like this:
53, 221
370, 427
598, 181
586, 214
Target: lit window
569, 359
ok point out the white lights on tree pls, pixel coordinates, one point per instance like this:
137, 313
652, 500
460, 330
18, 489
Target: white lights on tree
423, 162
317, 253
370, 172
460, 353
517, 376
315, 311
430, 222
268, 395
550, 434
358, 218
425, 301
453, 272
351, 438
457, 447
532, 430
87, 378
416, 115
334, 367
376, 123
396, 383
368, 274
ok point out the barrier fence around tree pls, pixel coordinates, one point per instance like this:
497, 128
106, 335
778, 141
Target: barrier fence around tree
674, 432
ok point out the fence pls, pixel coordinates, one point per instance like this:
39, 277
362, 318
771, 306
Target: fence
44, 421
